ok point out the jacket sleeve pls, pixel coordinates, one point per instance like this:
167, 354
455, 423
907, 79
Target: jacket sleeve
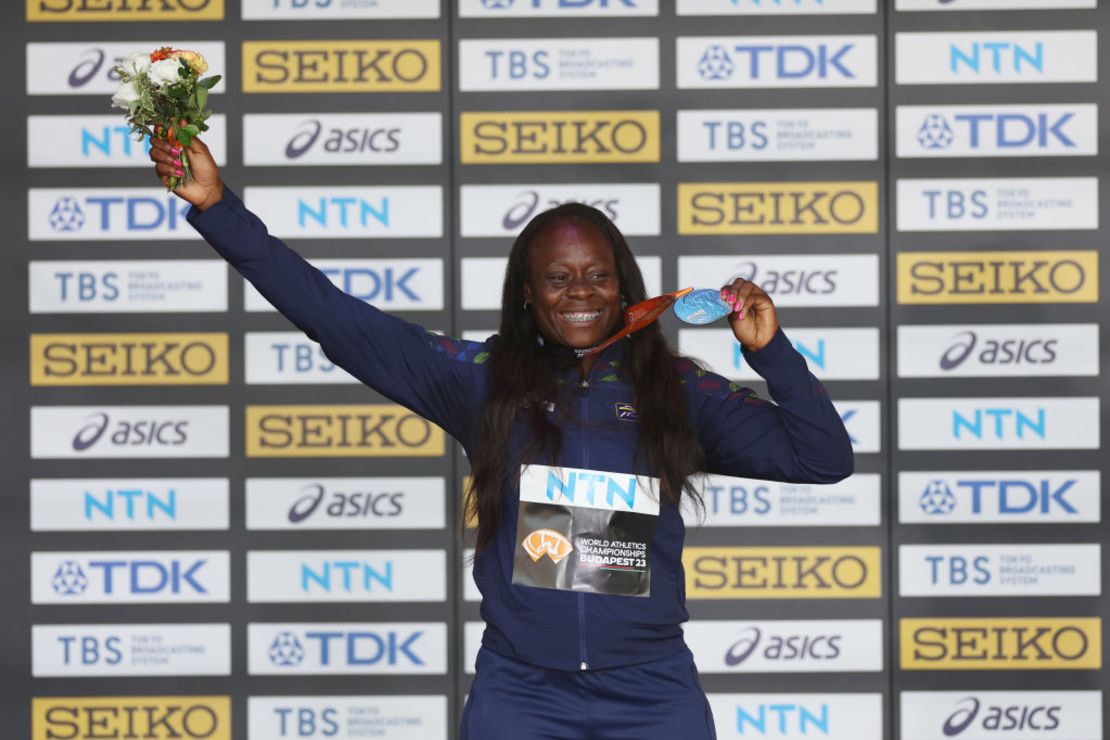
799, 439
430, 375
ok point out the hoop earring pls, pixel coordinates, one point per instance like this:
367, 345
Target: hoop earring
527, 304
624, 303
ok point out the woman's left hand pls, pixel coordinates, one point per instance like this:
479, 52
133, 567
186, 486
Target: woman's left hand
753, 319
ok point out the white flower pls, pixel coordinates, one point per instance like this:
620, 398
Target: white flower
125, 96
136, 63
164, 72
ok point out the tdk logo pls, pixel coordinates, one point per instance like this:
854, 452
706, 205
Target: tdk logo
350, 648
786, 719
130, 505
346, 576
369, 285
999, 424
820, 61
1005, 496
134, 577
113, 213
995, 56
342, 212
996, 131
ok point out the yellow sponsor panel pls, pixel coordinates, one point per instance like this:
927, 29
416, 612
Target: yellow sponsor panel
998, 277
782, 572
92, 717
778, 207
367, 430
471, 516
1013, 643
114, 11
559, 137
384, 65
129, 359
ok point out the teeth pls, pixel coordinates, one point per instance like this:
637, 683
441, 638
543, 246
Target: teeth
582, 316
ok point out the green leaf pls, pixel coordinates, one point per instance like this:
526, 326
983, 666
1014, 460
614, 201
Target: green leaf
201, 96
191, 130
184, 137
210, 82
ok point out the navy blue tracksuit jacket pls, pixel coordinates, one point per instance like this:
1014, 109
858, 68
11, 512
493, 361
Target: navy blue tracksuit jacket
800, 439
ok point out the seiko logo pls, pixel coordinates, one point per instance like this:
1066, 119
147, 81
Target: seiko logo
597, 137
356, 430
780, 206
783, 648
337, 65
342, 141
781, 572
115, 357
129, 433
1017, 645
340, 504
999, 276
997, 352
145, 717
108, 8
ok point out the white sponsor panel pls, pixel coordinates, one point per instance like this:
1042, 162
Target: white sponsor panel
288, 357
998, 423
578, 487
483, 277
478, 335
142, 577
1031, 130
978, 57
778, 135
100, 214
812, 280
345, 503
786, 646
555, 8
798, 716
126, 504
862, 419
322, 10
470, 588
906, 5
1001, 715
787, 7
128, 431
340, 212
832, 354
998, 204
346, 648
997, 350
472, 643
102, 141
86, 650
584, 63
127, 286
85, 67
346, 576
347, 717
353, 139
389, 284
999, 570
503, 210
999, 496
776, 61
748, 502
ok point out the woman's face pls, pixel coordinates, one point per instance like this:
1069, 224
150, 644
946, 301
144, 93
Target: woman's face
573, 286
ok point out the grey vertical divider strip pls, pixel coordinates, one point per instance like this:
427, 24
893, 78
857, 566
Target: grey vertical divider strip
887, 358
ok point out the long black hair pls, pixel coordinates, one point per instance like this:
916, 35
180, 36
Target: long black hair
523, 377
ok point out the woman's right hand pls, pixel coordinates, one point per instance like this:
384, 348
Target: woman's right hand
206, 189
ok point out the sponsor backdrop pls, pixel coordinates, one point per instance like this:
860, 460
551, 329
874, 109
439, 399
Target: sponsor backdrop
212, 532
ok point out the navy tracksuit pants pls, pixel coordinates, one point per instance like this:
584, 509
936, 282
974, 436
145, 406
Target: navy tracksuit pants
660, 700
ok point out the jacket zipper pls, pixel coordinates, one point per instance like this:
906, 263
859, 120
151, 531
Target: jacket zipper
583, 657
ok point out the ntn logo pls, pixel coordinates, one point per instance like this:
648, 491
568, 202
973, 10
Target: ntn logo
131, 503
111, 140
785, 719
344, 211
1005, 423
815, 354
352, 575
582, 485
997, 53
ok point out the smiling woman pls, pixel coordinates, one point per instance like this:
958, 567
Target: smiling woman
580, 464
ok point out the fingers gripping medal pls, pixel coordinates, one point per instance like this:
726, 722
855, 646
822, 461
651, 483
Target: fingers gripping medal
701, 306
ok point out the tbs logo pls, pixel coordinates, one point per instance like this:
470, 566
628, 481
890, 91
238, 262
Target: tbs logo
780, 62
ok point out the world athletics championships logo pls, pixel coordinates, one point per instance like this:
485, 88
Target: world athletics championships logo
935, 133
938, 498
69, 579
286, 650
715, 64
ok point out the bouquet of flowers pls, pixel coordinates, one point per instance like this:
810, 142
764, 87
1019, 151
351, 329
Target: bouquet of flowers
164, 95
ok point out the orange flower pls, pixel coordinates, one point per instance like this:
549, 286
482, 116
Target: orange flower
159, 54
